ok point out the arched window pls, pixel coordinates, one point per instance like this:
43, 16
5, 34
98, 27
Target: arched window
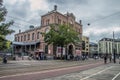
38, 34
18, 39
15, 38
28, 36
32, 36
24, 37
21, 38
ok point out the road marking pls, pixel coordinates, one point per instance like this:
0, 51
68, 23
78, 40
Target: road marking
116, 76
29, 73
95, 73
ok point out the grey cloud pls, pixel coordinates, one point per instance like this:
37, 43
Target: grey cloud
97, 37
64, 2
19, 9
89, 11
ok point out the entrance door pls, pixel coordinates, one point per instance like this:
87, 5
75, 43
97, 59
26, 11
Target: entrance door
70, 52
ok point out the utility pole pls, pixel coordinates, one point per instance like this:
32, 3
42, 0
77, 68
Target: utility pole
114, 56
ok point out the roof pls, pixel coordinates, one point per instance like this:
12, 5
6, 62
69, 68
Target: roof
106, 39
110, 39
32, 29
117, 40
93, 44
25, 43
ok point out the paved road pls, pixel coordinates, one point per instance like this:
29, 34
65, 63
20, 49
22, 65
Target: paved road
60, 70
49, 73
16, 67
104, 72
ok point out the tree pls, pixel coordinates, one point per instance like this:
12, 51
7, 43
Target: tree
61, 35
4, 27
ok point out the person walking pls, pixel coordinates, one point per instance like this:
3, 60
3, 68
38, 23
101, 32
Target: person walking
105, 59
5, 59
110, 58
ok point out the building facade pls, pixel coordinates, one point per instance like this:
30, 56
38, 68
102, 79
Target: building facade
32, 40
93, 49
85, 45
107, 46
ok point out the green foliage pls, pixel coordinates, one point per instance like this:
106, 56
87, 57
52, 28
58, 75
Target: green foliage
4, 28
61, 35
3, 11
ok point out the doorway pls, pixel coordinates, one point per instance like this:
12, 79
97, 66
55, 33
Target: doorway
70, 52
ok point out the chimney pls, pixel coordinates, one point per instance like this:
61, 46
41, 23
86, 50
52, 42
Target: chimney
55, 7
19, 31
80, 21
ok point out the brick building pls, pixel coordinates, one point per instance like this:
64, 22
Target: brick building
31, 41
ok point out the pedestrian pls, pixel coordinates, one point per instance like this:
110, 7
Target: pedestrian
110, 58
105, 59
5, 59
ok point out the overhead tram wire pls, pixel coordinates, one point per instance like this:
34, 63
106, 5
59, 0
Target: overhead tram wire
18, 24
21, 20
103, 18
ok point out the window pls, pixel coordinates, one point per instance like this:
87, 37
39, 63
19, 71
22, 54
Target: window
28, 36
86, 41
86, 45
79, 30
21, 38
86, 49
15, 38
64, 23
47, 22
18, 39
83, 45
32, 36
59, 21
38, 35
24, 37
42, 22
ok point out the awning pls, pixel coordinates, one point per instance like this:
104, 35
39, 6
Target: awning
25, 43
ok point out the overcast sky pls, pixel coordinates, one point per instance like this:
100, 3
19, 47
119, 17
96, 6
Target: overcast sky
103, 15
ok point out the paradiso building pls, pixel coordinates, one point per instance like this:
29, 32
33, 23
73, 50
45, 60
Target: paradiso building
32, 41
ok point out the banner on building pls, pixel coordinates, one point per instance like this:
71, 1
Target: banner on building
60, 50
78, 52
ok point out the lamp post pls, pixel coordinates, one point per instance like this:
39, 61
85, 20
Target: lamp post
114, 56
